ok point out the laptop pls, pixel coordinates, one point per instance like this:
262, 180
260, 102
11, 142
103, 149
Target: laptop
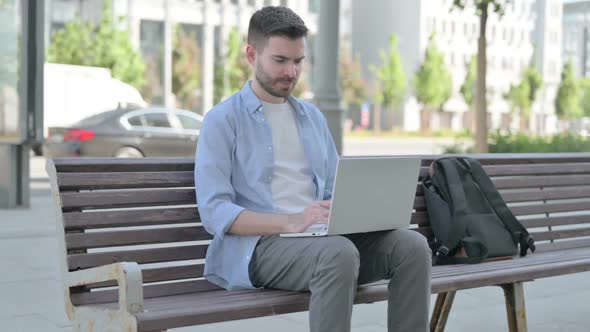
370, 194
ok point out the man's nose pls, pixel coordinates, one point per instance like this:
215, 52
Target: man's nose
291, 70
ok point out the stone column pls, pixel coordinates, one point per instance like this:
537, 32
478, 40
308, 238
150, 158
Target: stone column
326, 89
168, 97
208, 55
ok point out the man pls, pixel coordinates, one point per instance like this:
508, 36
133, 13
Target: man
265, 165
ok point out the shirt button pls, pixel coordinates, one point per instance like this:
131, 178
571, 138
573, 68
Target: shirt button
270, 148
269, 178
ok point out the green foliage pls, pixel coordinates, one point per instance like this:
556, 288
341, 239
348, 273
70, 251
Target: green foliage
186, 69
218, 81
534, 81
353, 87
237, 66
467, 89
518, 98
585, 96
390, 76
434, 83
567, 101
233, 70
521, 143
457, 148
102, 45
74, 44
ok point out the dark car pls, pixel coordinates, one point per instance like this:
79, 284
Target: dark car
145, 132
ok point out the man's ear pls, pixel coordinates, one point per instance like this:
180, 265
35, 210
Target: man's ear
250, 53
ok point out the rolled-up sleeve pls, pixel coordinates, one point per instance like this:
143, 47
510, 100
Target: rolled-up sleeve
213, 168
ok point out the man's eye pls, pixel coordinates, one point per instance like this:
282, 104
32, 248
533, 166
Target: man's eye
280, 60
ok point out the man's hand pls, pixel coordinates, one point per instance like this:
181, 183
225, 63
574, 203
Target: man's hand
316, 213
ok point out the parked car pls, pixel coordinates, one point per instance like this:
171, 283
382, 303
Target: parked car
131, 133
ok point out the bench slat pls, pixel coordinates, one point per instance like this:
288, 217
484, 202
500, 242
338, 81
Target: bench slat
549, 208
135, 237
561, 234
141, 256
83, 164
126, 198
149, 291
563, 245
529, 260
127, 218
556, 221
546, 194
158, 274
538, 169
120, 180
541, 181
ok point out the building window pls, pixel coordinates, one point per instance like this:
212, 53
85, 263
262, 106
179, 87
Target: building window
284, 3
267, 3
252, 3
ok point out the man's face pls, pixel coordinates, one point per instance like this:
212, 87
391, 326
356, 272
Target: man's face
278, 65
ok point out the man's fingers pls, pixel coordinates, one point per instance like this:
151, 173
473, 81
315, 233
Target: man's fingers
325, 204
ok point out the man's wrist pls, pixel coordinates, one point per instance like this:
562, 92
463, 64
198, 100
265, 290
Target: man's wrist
292, 221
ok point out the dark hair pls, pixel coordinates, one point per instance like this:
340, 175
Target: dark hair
274, 21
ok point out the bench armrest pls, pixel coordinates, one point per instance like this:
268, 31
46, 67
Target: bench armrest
127, 275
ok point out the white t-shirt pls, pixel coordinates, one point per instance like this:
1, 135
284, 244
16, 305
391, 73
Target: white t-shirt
292, 183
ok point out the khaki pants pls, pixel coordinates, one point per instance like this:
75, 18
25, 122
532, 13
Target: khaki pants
331, 267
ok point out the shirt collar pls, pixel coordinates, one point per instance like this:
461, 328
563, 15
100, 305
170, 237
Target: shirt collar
253, 104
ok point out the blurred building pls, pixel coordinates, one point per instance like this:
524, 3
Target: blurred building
151, 24
576, 36
511, 41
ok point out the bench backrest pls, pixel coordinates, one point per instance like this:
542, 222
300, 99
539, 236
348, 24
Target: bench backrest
144, 211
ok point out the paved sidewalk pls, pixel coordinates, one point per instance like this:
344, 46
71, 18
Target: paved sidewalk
31, 297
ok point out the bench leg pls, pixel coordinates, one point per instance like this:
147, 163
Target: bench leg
440, 314
515, 309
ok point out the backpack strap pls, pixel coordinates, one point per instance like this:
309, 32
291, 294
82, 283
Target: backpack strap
519, 233
454, 193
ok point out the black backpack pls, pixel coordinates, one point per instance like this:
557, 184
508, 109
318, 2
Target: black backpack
469, 219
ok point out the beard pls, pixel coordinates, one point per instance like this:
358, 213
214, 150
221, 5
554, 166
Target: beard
269, 84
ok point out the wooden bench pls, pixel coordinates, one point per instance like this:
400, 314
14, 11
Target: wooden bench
132, 246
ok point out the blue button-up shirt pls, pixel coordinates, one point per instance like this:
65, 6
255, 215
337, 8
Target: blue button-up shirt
233, 171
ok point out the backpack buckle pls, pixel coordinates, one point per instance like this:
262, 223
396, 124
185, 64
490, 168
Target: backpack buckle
443, 250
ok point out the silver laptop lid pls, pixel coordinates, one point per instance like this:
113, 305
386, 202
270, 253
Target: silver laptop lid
373, 193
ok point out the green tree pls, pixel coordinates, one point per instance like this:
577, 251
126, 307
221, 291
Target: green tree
186, 69
434, 83
354, 89
482, 10
584, 85
74, 44
534, 80
390, 80
237, 68
102, 45
567, 101
467, 89
518, 97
